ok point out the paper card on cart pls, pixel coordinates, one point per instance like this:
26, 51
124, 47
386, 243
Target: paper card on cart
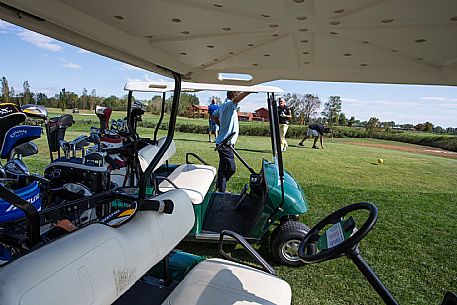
334, 235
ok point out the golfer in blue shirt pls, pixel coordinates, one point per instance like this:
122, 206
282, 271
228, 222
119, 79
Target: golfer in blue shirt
227, 119
213, 127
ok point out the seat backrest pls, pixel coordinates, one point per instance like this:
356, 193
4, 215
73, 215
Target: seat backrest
96, 264
147, 153
18, 135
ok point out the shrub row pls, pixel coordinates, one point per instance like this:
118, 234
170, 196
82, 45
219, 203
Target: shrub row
262, 129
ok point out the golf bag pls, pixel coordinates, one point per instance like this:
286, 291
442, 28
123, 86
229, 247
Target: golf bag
65, 169
15, 143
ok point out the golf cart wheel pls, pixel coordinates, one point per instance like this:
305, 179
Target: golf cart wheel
285, 240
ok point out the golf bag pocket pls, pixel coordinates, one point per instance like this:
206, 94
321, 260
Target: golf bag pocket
97, 179
30, 193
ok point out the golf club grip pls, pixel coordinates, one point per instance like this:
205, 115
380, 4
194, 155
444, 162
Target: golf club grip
163, 206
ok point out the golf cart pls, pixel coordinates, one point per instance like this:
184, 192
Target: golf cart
401, 42
135, 241
271, 198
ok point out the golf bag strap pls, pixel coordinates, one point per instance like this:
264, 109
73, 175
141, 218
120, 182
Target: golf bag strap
163, 206
33, 218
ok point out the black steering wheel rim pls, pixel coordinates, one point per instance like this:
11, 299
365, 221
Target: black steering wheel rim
225, 141
346, 245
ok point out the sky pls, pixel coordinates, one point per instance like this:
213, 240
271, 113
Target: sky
50, 65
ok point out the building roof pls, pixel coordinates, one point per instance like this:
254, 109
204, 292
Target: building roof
200, 107
240, 113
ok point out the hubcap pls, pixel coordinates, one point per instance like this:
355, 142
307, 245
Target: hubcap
290, 250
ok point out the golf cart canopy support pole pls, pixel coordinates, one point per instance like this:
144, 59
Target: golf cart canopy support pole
129, 109
276, 142
171, 129
162, 111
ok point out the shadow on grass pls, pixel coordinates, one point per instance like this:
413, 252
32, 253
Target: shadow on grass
253, 150
192, 140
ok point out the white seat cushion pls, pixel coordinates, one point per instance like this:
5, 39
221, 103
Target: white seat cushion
96, 264
216, 281
194, 179
147, 153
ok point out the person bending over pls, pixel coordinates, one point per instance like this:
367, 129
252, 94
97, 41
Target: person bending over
317, 132
227, 119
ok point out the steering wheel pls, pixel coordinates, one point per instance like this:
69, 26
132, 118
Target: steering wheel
225, 141
343, 247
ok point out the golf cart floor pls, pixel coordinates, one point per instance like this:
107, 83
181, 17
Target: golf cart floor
222, 215
146, 292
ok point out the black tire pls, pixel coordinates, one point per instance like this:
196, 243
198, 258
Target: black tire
284, 242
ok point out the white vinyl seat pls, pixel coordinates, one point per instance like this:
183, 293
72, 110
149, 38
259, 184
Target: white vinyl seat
96, 264
147, 153
221, 282
194, 179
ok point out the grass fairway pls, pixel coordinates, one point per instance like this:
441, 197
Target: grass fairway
412, 248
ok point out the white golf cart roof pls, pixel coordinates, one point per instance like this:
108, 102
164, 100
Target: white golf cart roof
193, 87
382, 41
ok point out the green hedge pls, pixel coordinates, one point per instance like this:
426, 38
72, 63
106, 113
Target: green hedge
262, 129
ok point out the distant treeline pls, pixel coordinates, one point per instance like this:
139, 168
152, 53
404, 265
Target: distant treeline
305, 108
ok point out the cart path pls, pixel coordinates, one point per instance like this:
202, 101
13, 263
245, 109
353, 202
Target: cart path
417, 149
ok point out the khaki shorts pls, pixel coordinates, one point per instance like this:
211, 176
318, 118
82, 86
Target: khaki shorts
312, 133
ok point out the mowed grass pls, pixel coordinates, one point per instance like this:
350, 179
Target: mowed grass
412, 248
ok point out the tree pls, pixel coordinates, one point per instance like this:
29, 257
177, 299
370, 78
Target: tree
5, 90
155, 104
63, 100
26, 94
218, 100
372, 125
303, 106
93, 95
438, 129
428, 127
41, 99
185, 101
342, 120
419, 127
351, 121
72, 98
388, 125
84, 99
332, 109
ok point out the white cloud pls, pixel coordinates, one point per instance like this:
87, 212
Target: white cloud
39, 40
155, 78
349, 99
6, 27
135, 80
83, 51
439, 98
127, 67
72, 66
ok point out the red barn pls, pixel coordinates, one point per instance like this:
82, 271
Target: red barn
245, 116
262, 114
197, 111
